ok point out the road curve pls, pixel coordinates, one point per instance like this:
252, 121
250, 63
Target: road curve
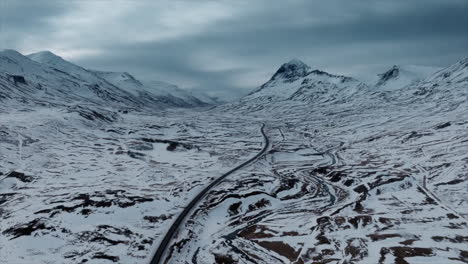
158, 256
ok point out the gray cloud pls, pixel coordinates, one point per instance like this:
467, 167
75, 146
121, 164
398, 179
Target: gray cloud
19, 20
228, 47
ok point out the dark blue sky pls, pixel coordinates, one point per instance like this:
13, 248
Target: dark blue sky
230, 47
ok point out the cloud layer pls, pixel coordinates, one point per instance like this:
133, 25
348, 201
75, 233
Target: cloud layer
229, 47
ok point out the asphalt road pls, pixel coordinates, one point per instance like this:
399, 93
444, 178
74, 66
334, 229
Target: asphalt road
158, 256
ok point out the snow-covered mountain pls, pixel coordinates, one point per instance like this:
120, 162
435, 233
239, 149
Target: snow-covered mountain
448, 88
153, 92
455, 75
172, 89
295, 83
38, 82
46, 77
445, 88
206, 98
400, 76
56, 62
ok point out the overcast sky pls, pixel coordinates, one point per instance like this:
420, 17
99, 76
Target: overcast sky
230, 47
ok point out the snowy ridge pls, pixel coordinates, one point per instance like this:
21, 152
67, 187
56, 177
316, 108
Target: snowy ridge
287, 73
122, 79
49, 77
456, 73
294, 83
206, 98
447, 87
50, 59
40, 82
291, 70
400, 76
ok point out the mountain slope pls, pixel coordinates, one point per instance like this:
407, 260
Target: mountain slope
444, 88
294, 83
400, 76
68, 83
206, 98
161, 93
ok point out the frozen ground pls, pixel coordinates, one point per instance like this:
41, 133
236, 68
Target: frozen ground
98, 191
332, 188
370, 187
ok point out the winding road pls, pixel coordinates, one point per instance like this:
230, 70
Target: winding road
158, 256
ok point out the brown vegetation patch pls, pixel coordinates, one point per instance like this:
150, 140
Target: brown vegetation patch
259, 204
291, 233
450, 182
322, 257
361, 189
5, 197
356, 248
385, 220
156, 219
360, 219
20, 176
98, 199
401, 253
321, 170
101, 255
324, 220
102, 233
27, 228
456, 239
224, 259
408, 242
339, 220
452, 216
281, 248
322, 240
378, 237
255, 232
234, 208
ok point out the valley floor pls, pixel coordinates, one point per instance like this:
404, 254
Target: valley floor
336, 186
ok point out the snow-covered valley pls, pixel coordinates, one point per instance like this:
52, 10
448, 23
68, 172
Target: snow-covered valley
355, 172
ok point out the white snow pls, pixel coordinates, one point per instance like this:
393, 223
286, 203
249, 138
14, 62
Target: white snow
102, 189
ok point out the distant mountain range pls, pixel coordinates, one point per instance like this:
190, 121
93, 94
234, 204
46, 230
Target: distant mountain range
297, 83
44, 77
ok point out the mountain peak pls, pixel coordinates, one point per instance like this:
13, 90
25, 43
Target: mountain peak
400, 76
57, 62
388, 75
44, 56
10, 53
297, 62
291, 70
45, 53
464, 62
